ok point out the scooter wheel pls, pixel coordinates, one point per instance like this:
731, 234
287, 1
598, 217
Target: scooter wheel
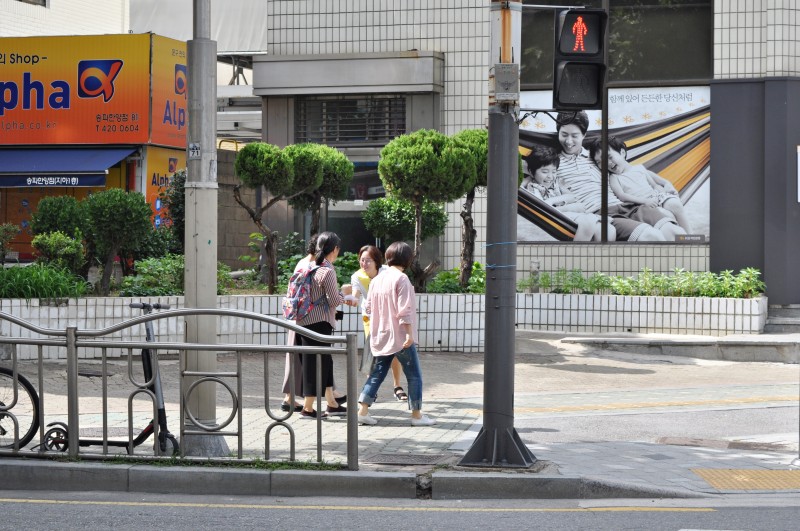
176, 447
55, 439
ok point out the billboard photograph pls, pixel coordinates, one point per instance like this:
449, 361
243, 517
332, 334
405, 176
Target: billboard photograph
659, 151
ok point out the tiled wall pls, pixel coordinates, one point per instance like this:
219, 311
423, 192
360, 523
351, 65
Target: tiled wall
75, 17
756, 38
447, 323
612, 258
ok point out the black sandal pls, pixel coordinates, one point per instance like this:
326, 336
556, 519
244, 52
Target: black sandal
400, 394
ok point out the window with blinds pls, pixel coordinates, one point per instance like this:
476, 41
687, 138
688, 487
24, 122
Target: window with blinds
349, 120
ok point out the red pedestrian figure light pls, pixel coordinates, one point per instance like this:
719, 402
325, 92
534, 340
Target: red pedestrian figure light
579, 29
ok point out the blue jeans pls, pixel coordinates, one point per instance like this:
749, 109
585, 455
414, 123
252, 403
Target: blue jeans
380, 368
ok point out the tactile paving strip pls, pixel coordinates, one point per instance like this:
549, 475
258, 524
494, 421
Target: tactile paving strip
738, 479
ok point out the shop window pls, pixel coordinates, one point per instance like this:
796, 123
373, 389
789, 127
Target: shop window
370, 120
649, 40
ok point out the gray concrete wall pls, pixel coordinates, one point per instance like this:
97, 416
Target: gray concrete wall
737, 170
755, 213
781, 206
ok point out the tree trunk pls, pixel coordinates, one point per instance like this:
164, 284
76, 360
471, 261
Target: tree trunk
315, 213
270, 240
420, 275
271, 255
108, 268
468, 235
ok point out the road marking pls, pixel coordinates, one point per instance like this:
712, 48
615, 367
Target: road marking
366, 509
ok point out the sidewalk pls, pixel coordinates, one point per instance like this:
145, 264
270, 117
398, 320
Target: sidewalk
559, 380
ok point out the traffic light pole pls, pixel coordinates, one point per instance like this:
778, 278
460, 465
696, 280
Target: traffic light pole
498, 444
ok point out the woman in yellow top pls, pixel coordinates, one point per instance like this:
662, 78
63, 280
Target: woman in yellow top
370, 259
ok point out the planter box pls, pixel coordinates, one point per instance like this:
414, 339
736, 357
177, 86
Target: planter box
645, 315
446, 322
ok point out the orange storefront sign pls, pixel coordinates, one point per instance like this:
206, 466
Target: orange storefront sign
93, 89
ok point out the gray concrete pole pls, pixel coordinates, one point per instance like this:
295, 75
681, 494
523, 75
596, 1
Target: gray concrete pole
498, 444
201, 223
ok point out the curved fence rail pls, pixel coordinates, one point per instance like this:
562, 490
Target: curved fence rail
57, 437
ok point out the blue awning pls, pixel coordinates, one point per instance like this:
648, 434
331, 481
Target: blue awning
23, 167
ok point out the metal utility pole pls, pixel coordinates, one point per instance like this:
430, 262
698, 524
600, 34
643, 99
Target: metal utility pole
201, 225
498, 444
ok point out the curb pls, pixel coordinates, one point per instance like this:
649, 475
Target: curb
755, 349
460, 485
24, 474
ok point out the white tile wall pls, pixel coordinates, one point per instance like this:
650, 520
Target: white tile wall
446, 322
756, 38
75, 17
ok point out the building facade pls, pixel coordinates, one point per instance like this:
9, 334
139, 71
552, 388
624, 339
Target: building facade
405, 65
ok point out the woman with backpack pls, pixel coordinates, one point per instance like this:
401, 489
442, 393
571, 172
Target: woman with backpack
322, 319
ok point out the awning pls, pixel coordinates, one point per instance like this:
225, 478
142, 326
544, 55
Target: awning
21, 167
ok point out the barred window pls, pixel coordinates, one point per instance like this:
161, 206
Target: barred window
350, 120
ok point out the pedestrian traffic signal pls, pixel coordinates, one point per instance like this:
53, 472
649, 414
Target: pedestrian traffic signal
579, 64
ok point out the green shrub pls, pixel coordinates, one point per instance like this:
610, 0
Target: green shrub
448, 281
8, 232
59, 213
40, 281
746, 284
60, 250
161, 277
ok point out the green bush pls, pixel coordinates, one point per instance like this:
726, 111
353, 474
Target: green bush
59, 213
174, 199
40, 281
161, 277
8, 232
448, 281
746, 284
60, 250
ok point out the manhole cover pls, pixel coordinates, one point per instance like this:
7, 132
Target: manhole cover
405, 459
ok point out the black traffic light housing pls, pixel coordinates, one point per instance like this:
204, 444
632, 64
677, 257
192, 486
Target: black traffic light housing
579, 59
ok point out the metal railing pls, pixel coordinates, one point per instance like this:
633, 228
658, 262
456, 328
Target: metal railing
75, 341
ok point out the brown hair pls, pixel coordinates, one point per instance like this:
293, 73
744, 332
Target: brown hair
374, 253
399, 254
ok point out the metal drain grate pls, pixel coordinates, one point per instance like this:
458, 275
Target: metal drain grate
405, 459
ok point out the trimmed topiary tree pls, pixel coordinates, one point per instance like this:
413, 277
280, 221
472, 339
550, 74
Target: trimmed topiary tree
425, 165
285, 174
337, 174
116, 219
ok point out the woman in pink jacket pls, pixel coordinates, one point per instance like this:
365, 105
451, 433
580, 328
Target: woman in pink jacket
392, 308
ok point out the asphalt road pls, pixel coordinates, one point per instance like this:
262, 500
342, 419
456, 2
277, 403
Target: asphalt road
102, 511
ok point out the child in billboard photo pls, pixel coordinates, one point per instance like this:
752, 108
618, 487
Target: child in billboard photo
633, 183
540, 172
580, 176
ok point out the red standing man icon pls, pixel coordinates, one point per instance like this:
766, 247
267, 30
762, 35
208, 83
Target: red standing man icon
579, 29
